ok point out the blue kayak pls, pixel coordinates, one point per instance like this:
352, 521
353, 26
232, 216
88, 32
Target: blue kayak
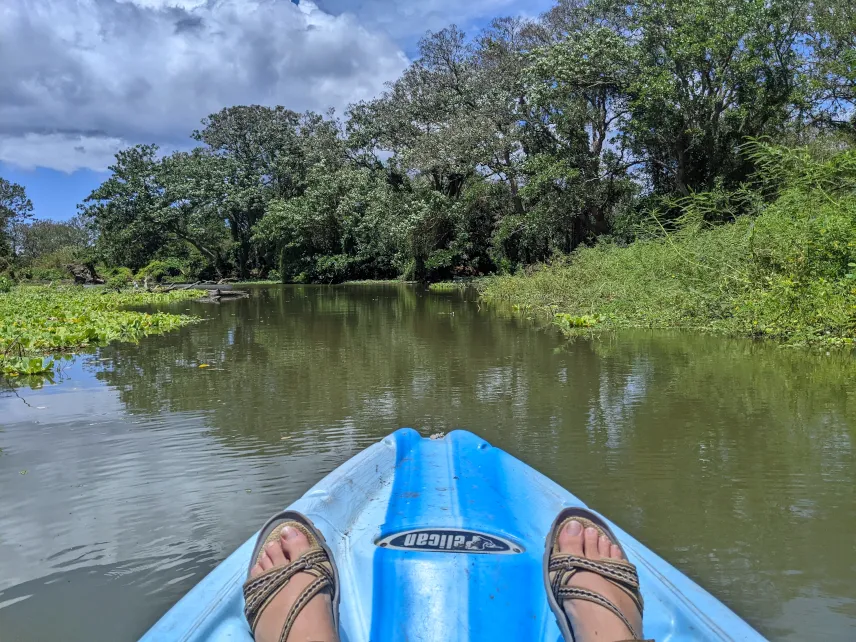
441, 540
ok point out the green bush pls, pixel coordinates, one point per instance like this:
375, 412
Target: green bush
567, 323
5, 284
333, 269
118, 278
161, 268
35, 273
52, 266
194, 266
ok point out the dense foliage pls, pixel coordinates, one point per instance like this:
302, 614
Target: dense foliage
495, 151
787, 273
15, 207
41, 320
42, 248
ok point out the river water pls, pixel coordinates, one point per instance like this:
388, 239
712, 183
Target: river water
131, 477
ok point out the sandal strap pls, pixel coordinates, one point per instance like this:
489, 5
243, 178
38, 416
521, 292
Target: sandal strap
314, 559
259, 591
576, 593
318, 585
619, 572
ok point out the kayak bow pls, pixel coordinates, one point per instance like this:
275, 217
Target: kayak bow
441, 540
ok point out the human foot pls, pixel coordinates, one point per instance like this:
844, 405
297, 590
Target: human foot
313, 622
593, 589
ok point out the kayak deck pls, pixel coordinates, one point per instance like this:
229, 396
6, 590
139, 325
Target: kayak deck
442, 540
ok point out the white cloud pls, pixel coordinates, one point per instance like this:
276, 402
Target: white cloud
84, 78
409, 19
64, 152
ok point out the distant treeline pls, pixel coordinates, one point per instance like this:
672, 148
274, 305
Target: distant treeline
495, 150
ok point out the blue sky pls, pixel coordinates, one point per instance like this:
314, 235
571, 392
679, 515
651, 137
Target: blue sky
82, 80
55, 194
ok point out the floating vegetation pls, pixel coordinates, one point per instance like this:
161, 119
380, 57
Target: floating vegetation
39, 321
568, 323
447, 286
16, 366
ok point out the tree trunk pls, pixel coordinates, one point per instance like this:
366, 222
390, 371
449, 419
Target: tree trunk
512, 183
420, 274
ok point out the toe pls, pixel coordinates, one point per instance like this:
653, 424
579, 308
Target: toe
571, 538
275, 552
604, 546
590, 543
256, 570
294, 542
265, 561
615, 553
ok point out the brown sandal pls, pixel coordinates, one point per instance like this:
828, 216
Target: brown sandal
317, 561
560, 567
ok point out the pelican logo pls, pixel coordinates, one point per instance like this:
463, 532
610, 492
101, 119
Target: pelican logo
449, 540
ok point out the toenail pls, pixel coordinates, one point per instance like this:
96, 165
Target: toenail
591, 531
288, 532
574, 527
271, 545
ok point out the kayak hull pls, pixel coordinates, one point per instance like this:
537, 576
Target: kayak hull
442, 540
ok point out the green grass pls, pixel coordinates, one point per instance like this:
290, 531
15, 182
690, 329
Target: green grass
787, 274
39, 321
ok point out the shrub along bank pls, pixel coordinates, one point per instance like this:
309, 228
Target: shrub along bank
786, 271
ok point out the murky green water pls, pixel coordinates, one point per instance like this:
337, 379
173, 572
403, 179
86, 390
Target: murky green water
134, 475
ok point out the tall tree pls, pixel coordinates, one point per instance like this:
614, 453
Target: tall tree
122, 207
578, 171
262, 153
497, 150
149, 203
710, 74
833, 42
14, 208
37, 239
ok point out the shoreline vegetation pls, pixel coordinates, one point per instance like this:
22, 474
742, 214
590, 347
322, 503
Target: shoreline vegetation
649, 164
786, 272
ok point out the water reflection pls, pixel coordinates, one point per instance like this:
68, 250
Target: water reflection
731, 459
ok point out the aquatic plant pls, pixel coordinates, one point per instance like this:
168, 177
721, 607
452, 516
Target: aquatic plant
446, 286
568, 322
26, 366
37, 321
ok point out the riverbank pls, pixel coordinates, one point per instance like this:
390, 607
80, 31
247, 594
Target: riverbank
37, 322
787, 273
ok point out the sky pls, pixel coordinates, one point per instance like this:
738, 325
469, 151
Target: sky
85, 78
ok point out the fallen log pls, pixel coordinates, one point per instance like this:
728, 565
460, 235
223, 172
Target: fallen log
228, 294
216, 296
199, 285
